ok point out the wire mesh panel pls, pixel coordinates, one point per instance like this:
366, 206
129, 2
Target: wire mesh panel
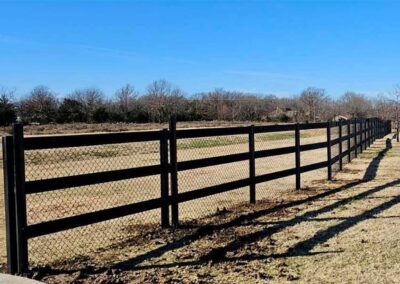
58, 204
335, 149
311, 136
274, 140
345, 145
189, 180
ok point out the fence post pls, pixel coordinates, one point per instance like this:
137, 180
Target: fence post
373, 130
362, 135
9, 204
252, 165
340, 146
329, 154
355, 138
348, 141
164, 178
20, 197
366, 134
378, 134
379, 129
297, 145
174, 172
369, 132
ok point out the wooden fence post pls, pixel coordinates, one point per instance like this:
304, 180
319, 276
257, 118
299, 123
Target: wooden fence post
174, 172
20, 197
372, 129
379, 129
9, 204
361, 136
329, 154
355, 138
252, 165
297, 157
164, 178
369, 132
340, 146
348, 141
366, 134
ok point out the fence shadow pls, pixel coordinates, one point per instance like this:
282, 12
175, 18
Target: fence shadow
372, 169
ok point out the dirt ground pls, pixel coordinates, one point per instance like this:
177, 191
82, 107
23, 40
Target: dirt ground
343, 231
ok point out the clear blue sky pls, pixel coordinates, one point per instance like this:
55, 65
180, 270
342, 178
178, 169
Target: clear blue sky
257, 46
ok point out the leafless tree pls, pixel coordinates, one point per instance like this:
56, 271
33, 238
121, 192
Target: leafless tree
39, 106
356, 105
126, 98
163, 100
91, 99
311, 100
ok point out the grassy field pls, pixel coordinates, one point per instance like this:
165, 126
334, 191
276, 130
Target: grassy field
80, 245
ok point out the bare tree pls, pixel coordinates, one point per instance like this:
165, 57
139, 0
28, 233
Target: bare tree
126, 99
311, 100
356, 105
163, 100
91, 99
40, 106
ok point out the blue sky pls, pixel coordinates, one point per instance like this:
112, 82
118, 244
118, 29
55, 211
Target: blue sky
276, 47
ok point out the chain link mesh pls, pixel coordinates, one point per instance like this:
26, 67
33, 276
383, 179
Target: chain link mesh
58, 204
265, 141
189, 180
312, 136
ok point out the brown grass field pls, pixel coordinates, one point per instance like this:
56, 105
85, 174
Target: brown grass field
269, 248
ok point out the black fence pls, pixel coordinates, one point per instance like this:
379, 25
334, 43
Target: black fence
359, 134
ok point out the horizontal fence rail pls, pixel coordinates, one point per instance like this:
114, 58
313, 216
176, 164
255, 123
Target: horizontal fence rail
359, 134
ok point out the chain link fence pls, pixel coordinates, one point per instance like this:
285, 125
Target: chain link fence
58, 204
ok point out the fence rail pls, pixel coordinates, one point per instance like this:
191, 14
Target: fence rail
361, 132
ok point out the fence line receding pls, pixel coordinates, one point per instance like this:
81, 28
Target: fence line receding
166, 161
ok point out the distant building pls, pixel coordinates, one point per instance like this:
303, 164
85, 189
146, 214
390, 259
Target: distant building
285, 114
340, 117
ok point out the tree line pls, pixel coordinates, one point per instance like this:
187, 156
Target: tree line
162, 99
